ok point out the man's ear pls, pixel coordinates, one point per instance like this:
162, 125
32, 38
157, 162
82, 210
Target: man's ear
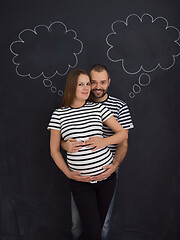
109, 81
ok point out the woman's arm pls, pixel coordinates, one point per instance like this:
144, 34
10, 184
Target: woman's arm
55, 139
119, 136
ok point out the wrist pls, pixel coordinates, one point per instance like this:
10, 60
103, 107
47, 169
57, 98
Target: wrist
115, 166
68, 174
105, 142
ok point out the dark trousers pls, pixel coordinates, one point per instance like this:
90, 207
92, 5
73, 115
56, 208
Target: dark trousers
92, 201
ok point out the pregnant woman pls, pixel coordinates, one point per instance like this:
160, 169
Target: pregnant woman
82, 120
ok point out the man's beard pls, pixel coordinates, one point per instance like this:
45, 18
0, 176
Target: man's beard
103, 92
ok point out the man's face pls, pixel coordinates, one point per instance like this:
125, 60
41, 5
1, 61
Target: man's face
99, 83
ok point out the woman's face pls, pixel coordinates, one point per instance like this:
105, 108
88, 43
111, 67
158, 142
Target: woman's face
83, 87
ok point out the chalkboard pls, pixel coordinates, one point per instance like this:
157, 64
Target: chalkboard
41, 42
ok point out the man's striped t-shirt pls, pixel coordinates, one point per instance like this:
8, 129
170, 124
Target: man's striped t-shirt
80, 124
121, 112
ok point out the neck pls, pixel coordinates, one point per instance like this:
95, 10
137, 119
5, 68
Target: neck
77, 104
102, 99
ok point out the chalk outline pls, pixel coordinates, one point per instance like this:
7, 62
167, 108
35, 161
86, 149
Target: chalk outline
44, 82
34, 31
142, 74
134, 88
60, 92
53, 89
141, 19
131, 95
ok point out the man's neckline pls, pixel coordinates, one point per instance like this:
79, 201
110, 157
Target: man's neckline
103, 100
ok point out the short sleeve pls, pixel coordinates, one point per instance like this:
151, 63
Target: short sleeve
55, 121
105, 113
124, 117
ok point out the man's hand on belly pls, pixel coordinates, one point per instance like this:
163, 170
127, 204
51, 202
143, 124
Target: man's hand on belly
109, 170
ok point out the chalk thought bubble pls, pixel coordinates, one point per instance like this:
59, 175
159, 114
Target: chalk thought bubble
46, 51
143, 43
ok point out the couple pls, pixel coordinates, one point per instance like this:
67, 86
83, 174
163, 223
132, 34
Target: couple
87, 128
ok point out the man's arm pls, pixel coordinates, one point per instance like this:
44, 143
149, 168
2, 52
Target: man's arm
120, 154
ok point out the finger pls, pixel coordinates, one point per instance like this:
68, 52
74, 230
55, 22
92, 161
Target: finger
95, 148
84, 179
107, 170
77, 144
72, 140
77, 172
73, 151
106, 167
102, 176
77, 148
99, 177
90, 145
89, 141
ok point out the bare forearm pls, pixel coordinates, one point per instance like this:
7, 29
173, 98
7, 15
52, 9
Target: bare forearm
63, 145
117, 138
58, 159
120, 154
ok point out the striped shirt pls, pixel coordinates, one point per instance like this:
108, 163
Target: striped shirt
120, 111
80, 124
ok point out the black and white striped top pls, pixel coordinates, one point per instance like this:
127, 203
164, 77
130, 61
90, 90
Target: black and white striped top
121, 112
80, 124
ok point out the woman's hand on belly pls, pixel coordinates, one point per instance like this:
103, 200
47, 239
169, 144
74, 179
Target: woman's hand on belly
75, 175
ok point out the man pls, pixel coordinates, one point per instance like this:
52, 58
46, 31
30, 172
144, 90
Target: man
100, 82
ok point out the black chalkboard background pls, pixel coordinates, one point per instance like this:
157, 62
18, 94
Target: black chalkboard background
34, 194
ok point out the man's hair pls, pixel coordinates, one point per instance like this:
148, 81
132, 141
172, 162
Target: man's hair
71, 85
99, 68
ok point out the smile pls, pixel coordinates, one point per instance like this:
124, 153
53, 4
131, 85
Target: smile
98, 90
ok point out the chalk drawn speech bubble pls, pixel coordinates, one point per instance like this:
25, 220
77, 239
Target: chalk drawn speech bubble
143, 43
46, 51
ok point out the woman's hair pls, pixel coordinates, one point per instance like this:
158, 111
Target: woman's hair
71, 85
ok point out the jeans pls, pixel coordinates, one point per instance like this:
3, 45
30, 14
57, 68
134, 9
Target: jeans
106, 227
93, 202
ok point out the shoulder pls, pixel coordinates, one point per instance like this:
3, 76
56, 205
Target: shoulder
62, 110
114, 100
114, 103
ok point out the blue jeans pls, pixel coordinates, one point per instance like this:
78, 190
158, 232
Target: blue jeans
107, 223
76, 221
